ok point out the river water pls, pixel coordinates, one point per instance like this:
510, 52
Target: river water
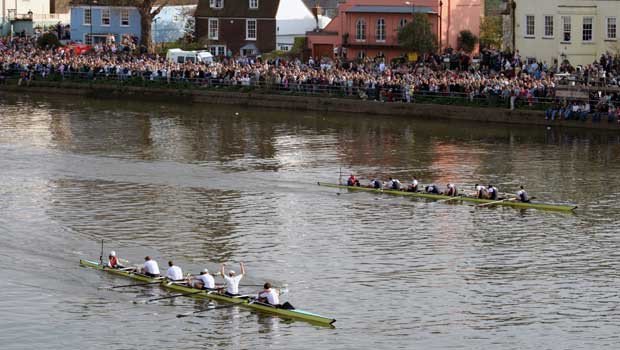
204, 185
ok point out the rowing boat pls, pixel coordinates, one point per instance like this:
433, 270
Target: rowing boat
507, 202
297, 314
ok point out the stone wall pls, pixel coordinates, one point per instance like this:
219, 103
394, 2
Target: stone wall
306, 103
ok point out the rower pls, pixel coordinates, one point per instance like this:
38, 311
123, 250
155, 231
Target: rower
452, 191
522, 195
352, 181
269, 296
413, 187
376, 184
432, 189
481, 192
150, 267
174, 272
202, 281
492, 192
396, 185
113, 261
232, 280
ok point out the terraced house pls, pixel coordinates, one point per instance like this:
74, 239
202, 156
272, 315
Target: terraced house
237, 27
576, 30
114, 21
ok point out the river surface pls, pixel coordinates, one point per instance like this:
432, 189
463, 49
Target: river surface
204, 185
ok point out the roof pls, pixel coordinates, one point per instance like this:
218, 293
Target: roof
239, 9
131, 3
390, 9
325, 4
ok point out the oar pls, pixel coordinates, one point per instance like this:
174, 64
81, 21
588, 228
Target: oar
449, 200
168, 297
130, 285
207, 309
494, 202
284, 286
101, 254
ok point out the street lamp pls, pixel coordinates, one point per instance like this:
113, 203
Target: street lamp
440, 18
412, 8
91, 20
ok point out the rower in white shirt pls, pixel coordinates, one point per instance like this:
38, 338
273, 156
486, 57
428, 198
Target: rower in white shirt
150, 267
522, 195
269, 295
174, 272
481, 192
492, 192
451, 190
202, 281
232, 280
414, 185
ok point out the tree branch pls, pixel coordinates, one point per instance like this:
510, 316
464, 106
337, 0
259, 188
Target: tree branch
158, 10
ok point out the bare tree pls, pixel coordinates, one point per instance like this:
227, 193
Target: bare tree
147, 14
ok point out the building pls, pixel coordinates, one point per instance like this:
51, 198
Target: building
237, 27
106, 21
16, 13
370, 27
577, 30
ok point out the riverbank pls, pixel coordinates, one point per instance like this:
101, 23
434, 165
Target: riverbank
303, 103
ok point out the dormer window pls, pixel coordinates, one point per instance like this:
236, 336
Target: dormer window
216, 4
253, 4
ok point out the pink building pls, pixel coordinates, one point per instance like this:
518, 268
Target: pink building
370, 27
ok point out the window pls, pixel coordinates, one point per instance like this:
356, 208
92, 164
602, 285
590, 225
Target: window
213, 28
216, 4
124, 17
586, 34
566, 28
611, 28
250, 29
549, 26
105, 17
402, 23
217, 50
361, 55
360, 30
87, 17
380, 30
253, 4
88, 39
530, 26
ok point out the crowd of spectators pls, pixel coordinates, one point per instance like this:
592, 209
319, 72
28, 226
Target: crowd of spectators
494, 75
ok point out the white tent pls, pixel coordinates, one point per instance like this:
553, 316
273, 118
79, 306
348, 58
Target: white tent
294, 19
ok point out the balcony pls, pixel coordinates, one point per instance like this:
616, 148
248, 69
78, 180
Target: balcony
13, 16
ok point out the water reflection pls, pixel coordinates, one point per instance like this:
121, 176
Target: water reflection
204, 186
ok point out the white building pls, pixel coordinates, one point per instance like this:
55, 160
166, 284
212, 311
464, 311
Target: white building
294, 19
37, 10
576, 30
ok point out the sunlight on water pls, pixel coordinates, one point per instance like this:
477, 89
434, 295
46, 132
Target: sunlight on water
202, 186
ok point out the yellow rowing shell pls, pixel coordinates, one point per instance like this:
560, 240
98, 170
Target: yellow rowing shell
508, 203
296, 314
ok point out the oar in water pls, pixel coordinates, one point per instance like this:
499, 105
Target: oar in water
449, 200
130, 285
191, 313
168, 297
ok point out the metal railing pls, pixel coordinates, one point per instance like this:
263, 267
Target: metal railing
391, 93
